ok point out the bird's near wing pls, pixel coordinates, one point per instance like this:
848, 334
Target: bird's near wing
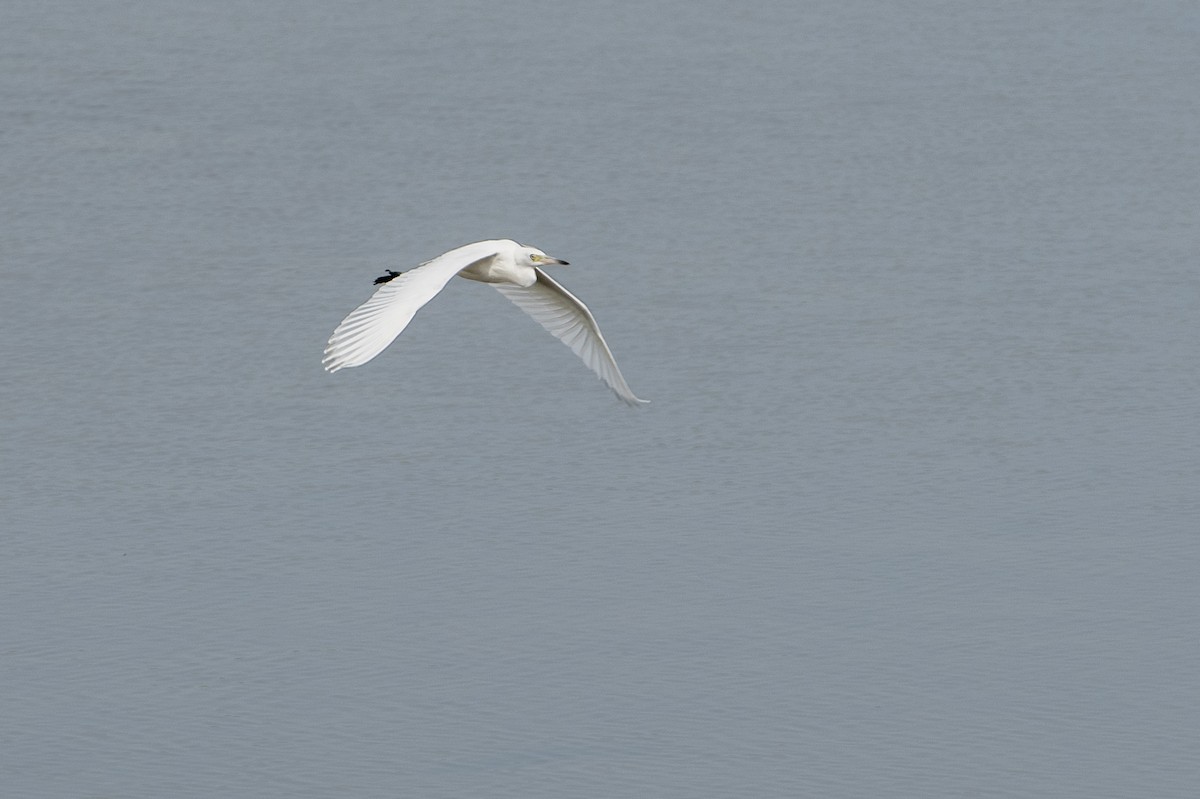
569, 320
372, 326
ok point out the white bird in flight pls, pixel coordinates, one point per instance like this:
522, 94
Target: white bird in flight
514, 270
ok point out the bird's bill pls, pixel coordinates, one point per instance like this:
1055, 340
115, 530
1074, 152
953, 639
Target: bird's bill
557, 261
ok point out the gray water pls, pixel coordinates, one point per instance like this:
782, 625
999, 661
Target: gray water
913, 288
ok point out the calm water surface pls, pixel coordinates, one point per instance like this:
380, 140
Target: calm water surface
913, 287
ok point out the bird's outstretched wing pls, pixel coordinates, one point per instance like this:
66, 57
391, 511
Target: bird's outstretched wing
569, 320
372, 326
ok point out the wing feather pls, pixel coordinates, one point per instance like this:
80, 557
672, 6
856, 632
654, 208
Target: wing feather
569, 320
375, 324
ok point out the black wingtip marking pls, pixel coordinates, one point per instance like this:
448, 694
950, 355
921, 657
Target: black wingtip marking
385, 278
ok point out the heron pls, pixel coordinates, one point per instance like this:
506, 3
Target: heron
515, 270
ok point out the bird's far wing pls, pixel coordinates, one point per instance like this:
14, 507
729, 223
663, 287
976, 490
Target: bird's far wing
372, 326
569, 320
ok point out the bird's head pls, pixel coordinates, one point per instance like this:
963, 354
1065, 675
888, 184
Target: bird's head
538, 258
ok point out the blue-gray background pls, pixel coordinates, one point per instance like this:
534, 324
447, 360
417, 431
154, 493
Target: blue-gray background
913, 287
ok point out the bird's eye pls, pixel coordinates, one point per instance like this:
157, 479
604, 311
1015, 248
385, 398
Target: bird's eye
533, 256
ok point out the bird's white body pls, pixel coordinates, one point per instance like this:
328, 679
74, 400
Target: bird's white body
513, 270
500, 270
